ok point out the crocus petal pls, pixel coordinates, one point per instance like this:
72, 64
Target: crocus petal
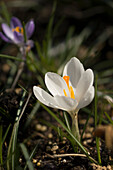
30, 26
7, 30
44, 97
87, 99
30, 43
84, 83
15, 22
18, 38
5, 38
66, 103
55, 83
74, 69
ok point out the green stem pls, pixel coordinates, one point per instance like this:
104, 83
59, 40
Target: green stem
21, 67
75, 129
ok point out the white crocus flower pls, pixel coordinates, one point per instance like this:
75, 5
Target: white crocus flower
71, 92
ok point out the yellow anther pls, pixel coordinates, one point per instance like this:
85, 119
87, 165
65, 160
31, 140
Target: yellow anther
70, 88
18, 29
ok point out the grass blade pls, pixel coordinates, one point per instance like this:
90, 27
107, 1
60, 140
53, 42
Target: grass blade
32, 114
27, 157
31, 155
1, 141
67, 121
10, 57
109, 118
97, 139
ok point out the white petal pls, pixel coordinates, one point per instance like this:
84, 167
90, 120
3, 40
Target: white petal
55, 83
74, 69
84, 84
7, 30
44, 97
87, 99
66, 103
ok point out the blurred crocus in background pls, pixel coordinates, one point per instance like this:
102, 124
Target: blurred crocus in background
18, 34
15, 33
71, 92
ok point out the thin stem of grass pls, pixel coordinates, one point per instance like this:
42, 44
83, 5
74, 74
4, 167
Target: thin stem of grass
24, 32
31, 155
13, 139
97, 139
21, 67
27, 157
1, 160
109, 118
11, 57
84, 128
67, 121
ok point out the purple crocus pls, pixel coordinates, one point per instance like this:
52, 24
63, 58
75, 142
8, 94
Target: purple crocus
14, 33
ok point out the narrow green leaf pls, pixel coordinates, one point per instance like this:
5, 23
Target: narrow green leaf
109, 118
32, 114
5, 12
27, 157
24, 31
1, 141
10, 57
97, 139
84, 128
67, 121
5, 135
31, 155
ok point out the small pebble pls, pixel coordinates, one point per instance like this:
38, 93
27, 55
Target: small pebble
64, 138
38, 127
88, 135
50, 143
63, 141
34, 161
89, 140
54, 152
85, 142
44, 128
64, 161
59, 159
54, 148
50, 135
38, 163
109, 167
18, 90
20, 160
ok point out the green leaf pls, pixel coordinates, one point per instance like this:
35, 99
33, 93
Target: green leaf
27, 157
10, 57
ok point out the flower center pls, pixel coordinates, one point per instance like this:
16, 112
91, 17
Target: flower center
70, 88
18, 29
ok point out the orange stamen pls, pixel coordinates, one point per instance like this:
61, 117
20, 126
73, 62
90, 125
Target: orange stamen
65, 93
18, 29
66, 78
71, 92
70, 88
